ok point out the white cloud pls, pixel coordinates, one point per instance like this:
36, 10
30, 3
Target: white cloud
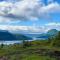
28, 29
52, 26
27, 10
55, 24
31, 29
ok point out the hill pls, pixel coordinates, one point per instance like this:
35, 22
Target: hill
52, 32
49, 33
5, 35
22, 37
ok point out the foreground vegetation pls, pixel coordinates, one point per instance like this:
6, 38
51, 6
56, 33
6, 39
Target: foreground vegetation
35, 50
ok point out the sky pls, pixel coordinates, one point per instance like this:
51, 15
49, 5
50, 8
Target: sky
31, 16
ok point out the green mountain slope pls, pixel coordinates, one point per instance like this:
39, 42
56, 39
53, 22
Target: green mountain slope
22, 37
5, 35
50, 33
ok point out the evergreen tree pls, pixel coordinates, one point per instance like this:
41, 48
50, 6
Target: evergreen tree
56, 40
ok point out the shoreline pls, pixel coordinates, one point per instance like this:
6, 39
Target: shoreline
8, 42
12, 42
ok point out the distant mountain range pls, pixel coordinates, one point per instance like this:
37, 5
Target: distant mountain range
5, 35
22, 37
48, 34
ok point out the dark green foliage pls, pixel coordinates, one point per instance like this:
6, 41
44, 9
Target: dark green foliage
26, 44
2, 45
49, 40
57, 40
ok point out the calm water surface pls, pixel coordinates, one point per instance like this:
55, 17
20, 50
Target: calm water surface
13, 42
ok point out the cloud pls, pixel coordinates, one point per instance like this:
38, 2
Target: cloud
31, 29
26, 29
55, 24
27, 10
50, 1
52, 26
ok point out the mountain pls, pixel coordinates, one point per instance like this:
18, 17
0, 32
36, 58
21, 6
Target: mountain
22, 37
44, 35
6, 35
48, 34
52, 32
32, 35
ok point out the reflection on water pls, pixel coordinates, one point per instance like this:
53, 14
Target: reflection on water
9, 42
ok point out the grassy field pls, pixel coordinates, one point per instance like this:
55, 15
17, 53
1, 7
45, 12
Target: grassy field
35, 50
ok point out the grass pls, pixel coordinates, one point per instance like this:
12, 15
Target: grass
32, 52
35, 57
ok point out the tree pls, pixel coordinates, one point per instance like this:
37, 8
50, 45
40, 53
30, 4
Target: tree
2, 45
56, 40
26, 44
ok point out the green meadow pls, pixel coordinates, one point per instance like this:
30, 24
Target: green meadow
35, 50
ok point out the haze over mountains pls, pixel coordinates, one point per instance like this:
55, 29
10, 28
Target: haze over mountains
50, 33
6, 35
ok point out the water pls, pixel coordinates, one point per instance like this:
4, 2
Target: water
13, 42
9, 42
